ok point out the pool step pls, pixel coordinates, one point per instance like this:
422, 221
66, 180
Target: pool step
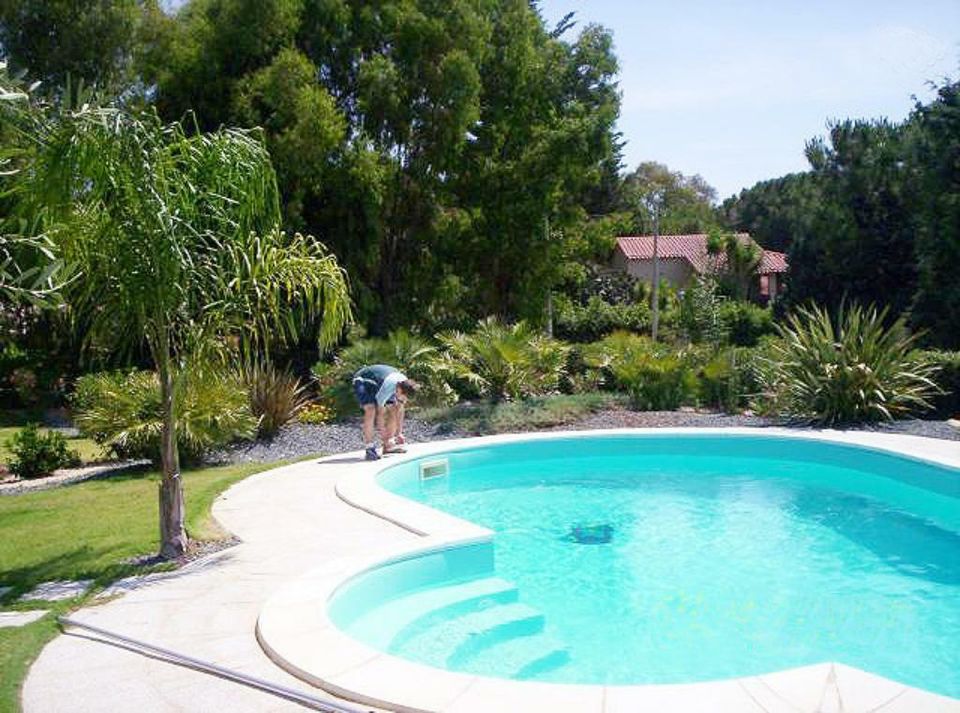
396, 621
451, 642
521, 657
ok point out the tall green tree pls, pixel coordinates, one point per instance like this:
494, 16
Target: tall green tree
860, 247
775, 212
174, 235
401, 131
688, 201
934, 154
544, 140
86, 40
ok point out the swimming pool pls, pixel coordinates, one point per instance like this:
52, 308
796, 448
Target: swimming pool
661, 559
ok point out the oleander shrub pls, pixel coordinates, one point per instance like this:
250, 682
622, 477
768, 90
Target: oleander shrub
656, 376
847, 369
275, 395
597, 318
123, 412
744, 323
503, 361
36, 454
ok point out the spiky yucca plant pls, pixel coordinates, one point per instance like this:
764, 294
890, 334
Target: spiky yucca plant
851, 369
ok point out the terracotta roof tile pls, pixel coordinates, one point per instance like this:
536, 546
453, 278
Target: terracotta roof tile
693, 249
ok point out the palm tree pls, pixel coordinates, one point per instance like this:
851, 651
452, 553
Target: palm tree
173, 235
29, 270
738, 260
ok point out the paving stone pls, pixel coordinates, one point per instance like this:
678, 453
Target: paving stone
55, 591
20, 618
130, 584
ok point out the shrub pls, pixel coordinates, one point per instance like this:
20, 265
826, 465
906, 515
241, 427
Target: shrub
122, 411
36, 454
598, 318
946, 404
848, 371
728, 380
655, 376
699, 312
275, 396
316, 414
744, 323
503, 361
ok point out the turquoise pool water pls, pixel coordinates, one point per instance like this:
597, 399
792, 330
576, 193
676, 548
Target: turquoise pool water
665, 559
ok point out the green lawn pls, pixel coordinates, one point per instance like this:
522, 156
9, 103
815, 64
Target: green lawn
86, 531
89, 451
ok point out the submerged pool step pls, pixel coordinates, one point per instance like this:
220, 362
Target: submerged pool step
522, 657
449, 642
396, 621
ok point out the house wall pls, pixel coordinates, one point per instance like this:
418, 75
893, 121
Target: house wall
677, 272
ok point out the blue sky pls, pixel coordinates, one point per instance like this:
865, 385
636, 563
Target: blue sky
732, 89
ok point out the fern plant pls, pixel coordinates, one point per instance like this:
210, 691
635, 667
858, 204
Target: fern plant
851, 369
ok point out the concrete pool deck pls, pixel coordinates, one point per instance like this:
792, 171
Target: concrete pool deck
299, 540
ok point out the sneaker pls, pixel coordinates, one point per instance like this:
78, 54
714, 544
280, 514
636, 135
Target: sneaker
394, 449
372, 454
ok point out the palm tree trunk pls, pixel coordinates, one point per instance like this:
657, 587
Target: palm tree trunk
173, 537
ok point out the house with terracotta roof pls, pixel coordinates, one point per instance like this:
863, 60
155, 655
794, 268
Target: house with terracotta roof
682, 257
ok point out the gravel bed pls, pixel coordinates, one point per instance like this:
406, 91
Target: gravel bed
623, 418
67, 476
299, 440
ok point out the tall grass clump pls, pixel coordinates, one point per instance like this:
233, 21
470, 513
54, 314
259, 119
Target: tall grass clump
850, 369
275, 395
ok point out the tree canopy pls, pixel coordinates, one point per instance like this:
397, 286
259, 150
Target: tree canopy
426, 141
875, 221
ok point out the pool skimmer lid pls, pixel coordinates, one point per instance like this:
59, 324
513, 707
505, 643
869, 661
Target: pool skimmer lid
590, 534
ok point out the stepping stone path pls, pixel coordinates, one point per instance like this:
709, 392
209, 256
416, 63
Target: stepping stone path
20, 618
129, 584
55, 591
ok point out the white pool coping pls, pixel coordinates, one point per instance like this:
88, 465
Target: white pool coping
295, 631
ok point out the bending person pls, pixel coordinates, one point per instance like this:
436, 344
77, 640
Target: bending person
383, 392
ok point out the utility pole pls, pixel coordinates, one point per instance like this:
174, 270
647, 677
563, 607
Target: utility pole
546, 236
654, 201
